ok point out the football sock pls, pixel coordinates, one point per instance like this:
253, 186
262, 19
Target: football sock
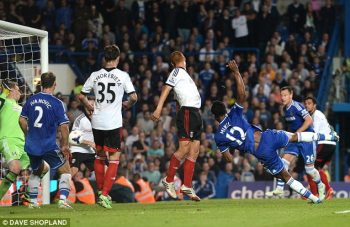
188, 172
312, 184
64, 185
300, 189
111, 173
6, 183
310, 170
324, 179
312, 136
280, 183
174, 165
99, 166
33, 185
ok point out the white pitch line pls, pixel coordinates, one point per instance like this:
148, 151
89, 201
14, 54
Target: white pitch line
342, 212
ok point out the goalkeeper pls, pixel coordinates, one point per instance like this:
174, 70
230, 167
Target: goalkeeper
11, 135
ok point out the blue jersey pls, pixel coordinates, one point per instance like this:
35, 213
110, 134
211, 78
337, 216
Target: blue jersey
235, 132
44, 113
294, 116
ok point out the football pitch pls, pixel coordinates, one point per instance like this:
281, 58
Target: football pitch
213, 213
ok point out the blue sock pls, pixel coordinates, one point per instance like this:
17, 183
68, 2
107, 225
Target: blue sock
321, 136
64, 192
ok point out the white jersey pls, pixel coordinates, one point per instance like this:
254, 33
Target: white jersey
82, 123
321, 125
186, 91
109, 86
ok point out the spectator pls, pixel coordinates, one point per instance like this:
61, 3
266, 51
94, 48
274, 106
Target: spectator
223, 180
152, 175
204, 188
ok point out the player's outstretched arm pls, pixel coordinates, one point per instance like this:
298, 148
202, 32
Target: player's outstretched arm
227, 156
232, 65
165, 92
23, 124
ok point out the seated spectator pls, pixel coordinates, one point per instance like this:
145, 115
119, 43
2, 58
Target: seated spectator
146, 123
152, 175
156, 150
223, 180
204, 188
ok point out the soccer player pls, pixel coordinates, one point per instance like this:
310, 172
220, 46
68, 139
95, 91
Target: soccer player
42, 115
325, 149
11, 135
109, 85
84, 152
189, 124
298, 120
234, 132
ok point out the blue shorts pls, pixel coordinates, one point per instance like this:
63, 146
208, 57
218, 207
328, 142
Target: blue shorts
54, 158
306, 149
270, 142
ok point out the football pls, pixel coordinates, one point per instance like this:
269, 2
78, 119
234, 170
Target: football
76, 137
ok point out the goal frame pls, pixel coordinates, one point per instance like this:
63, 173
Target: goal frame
44, 65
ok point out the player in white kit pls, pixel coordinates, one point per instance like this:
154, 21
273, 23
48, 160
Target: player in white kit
189, 124
109, 85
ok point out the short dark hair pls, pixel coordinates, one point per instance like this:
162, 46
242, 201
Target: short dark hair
47, 80
289, 88
111, 52
314, 101
218, 108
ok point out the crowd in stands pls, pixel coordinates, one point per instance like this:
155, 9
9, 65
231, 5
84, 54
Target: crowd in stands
292, 49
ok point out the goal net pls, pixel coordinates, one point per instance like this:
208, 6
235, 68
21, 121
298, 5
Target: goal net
23, 57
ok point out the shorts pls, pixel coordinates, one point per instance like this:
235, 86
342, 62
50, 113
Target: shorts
13, 149
306, 149
266, 153
189, 124
87, 159
54, 158
107, 140
324, 154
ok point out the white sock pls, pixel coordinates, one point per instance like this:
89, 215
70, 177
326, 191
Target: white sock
64, 185
300, 189
307, 136
280, 183
33, 185
311, 171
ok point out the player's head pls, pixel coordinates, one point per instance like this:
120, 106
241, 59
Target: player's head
111, 53
48, 80
11, 89
177, 59
218, 109
310, 104
286, 95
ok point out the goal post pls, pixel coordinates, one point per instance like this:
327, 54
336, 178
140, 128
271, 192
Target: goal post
21, 49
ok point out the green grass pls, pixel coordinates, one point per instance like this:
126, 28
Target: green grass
213, 213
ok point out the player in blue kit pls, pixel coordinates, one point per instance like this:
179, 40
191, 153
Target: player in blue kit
234, 132
298, 119
41, 116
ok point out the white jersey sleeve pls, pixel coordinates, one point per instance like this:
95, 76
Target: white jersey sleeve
321, 125
128, 86
88, 86
173, 78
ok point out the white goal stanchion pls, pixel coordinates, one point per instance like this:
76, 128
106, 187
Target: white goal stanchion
24, 55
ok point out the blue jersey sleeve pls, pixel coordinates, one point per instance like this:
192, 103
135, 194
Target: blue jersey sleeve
24, 112
235, 110
61, 116
301, 110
